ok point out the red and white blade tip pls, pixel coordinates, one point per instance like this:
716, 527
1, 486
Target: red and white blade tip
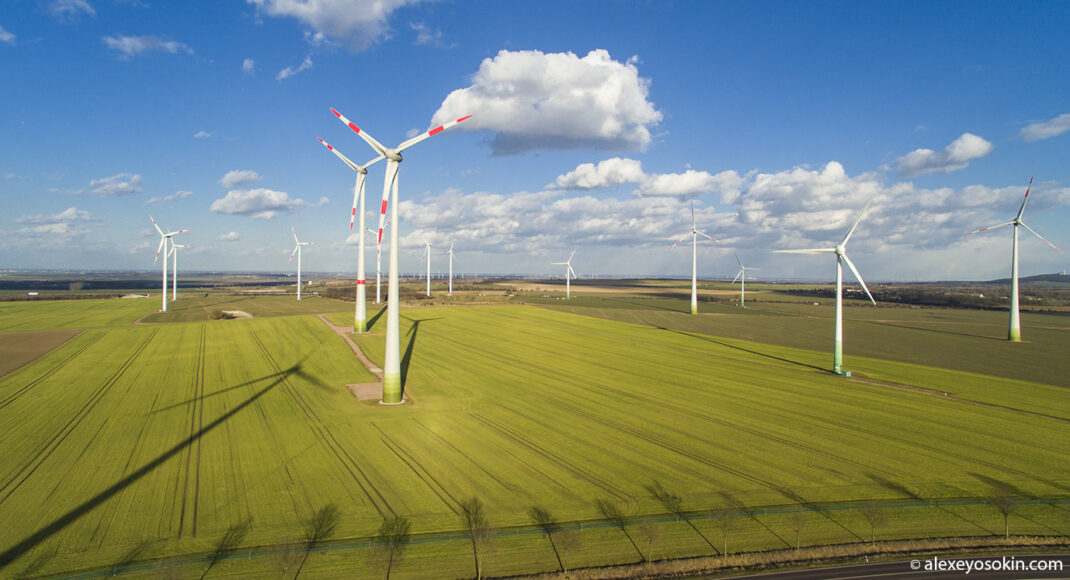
355, 128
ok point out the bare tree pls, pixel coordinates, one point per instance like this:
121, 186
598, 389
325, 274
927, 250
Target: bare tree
611, 511
727, 520
568, 540
230, 539
475, 524
391, 541
874, 516
288, 556
798, 521
1006, 504
319, 529
674, 505
545, 520
649, 532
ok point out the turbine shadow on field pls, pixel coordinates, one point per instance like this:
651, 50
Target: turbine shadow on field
11, 554
374, 319
936, 330
408, 352
747, 350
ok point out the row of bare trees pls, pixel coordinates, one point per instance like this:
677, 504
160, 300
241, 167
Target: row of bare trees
394, 535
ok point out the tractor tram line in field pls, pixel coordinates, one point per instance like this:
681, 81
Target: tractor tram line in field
21, 474
420, 471
195, 411
327, 438
51, 371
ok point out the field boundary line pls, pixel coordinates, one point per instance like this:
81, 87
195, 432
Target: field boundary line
23, 390
344, 331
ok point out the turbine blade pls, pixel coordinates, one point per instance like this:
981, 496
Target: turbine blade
158, 248
175, 233
809, 251
294, 232
344, 159
1021, 210
859, 278
1042, 238
737, 260
573, 272
990, 228
155, 225
388, 184
855, 225
693, 214
709, 237
737, 275
410, 142
677, 242
294, 253
358, 190
570, 256
363, 135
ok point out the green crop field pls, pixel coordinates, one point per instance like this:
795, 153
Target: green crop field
143, 445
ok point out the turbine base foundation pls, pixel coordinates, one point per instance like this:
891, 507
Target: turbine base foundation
391, 390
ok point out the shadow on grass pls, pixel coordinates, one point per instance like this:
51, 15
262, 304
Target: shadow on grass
14, 552
935, 330
405, 360
747, 350
374, 319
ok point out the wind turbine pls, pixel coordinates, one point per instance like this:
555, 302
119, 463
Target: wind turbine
297, 252
163, 248
568, 272
427, 253
1014, 331
392, 359
841, 257
742, 277
360, 317
174, 268
694, 233
450, 253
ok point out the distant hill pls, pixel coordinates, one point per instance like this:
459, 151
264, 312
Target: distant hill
1038, 280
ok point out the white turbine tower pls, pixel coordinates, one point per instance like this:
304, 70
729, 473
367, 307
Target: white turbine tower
392, 358
841, 257
174, 268
297, 252
427, 254
360, 317
694, 234
378, 264
164, 238
569, 273
450, 253
742, 277
1014, 330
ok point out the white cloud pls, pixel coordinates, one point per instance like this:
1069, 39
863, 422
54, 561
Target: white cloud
1046, 129
6, 36
426, 35
955, 156
239, 177
532, 100
70, 9
130, 46
291, 71
259, 203
355, 23
248, 66
618, 171
70, 221
607, 173
202, 134
230, 237
173, 197
116, 185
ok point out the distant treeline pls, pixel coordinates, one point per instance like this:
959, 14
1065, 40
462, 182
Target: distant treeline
972, 298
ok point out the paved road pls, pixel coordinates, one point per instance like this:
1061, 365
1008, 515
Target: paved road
927, 571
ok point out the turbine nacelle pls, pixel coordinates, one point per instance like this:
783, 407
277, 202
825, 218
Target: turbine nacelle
393, 155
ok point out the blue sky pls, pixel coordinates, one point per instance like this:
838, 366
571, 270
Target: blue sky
594, 126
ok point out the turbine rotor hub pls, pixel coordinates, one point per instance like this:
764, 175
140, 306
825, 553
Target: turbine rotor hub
393, 155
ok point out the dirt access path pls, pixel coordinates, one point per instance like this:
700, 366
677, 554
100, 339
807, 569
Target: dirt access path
362, 391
